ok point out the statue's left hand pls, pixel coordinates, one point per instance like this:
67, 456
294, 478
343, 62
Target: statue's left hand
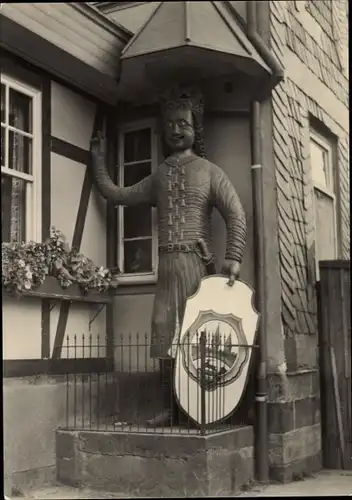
231, 268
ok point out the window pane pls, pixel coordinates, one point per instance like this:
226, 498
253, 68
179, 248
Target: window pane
13, 197
3, 101
20, 111
319, 162
138, 256
135, 173
325, 226
20, 153
3, 146
137, 221
137, 145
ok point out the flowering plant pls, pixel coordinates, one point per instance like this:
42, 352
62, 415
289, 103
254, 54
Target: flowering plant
26, 265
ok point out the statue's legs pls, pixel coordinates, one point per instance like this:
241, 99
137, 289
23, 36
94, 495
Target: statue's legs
179, 276
170, 413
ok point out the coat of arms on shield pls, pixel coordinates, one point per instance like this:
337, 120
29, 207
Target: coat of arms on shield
214, 349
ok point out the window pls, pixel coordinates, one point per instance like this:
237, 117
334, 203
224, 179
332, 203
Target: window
20, 161
322, 164
138, 247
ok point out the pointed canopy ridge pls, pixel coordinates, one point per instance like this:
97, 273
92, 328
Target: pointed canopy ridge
205, 25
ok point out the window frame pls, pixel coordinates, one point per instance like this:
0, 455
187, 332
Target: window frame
33, 208
137, 278
328, 145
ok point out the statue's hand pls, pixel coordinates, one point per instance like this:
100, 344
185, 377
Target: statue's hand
231, 268
97, 144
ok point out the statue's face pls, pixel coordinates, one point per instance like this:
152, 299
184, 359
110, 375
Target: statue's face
178, 129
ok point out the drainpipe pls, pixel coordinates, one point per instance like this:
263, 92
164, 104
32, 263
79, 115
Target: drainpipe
261, 398
277, 70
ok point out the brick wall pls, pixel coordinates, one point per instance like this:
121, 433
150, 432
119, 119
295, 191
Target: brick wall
310, 39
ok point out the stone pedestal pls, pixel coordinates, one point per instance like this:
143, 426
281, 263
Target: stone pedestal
157, 464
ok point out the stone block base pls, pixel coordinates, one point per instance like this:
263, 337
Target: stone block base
294, 425
157, 464
297, 470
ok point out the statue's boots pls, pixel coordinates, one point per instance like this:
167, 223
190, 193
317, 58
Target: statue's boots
170, 414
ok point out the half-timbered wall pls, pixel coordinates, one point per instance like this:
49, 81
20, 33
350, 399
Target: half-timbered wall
70, 193
30, 331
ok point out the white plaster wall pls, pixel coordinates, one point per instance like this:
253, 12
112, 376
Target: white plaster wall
72, 116
73, 121
78, 320
132, 316
66, 186
94, 234
21, 322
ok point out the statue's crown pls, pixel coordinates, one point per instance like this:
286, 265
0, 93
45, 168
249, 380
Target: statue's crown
186, 97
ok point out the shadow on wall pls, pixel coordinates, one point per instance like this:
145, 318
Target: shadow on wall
33, 409
228, 145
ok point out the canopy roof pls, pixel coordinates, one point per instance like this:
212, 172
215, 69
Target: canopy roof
188, 40
205, 25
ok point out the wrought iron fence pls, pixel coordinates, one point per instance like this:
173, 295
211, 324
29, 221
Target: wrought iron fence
192, 392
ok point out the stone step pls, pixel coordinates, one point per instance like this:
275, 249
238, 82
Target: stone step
157, 464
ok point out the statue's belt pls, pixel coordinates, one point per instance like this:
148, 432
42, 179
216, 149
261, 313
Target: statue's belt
199, 247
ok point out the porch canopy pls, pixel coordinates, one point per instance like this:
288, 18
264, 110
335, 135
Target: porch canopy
187, 41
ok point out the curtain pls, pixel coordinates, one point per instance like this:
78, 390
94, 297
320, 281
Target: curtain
17, 161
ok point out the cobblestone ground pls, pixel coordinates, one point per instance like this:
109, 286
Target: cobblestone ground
326, 483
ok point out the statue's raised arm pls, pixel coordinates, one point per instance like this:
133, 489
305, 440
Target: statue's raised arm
142, 192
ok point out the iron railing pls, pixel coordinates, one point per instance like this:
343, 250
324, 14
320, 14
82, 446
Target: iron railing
193, 393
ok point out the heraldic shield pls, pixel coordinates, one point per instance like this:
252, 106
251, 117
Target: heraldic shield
214, 349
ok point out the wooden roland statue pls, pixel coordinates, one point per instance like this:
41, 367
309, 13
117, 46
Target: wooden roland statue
185, 188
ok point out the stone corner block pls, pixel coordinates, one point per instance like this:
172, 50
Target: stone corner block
157, 464
68, 464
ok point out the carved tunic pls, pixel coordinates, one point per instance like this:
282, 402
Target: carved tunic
185, 193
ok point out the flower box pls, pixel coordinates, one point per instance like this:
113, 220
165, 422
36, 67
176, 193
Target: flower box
51, 289
64, 273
